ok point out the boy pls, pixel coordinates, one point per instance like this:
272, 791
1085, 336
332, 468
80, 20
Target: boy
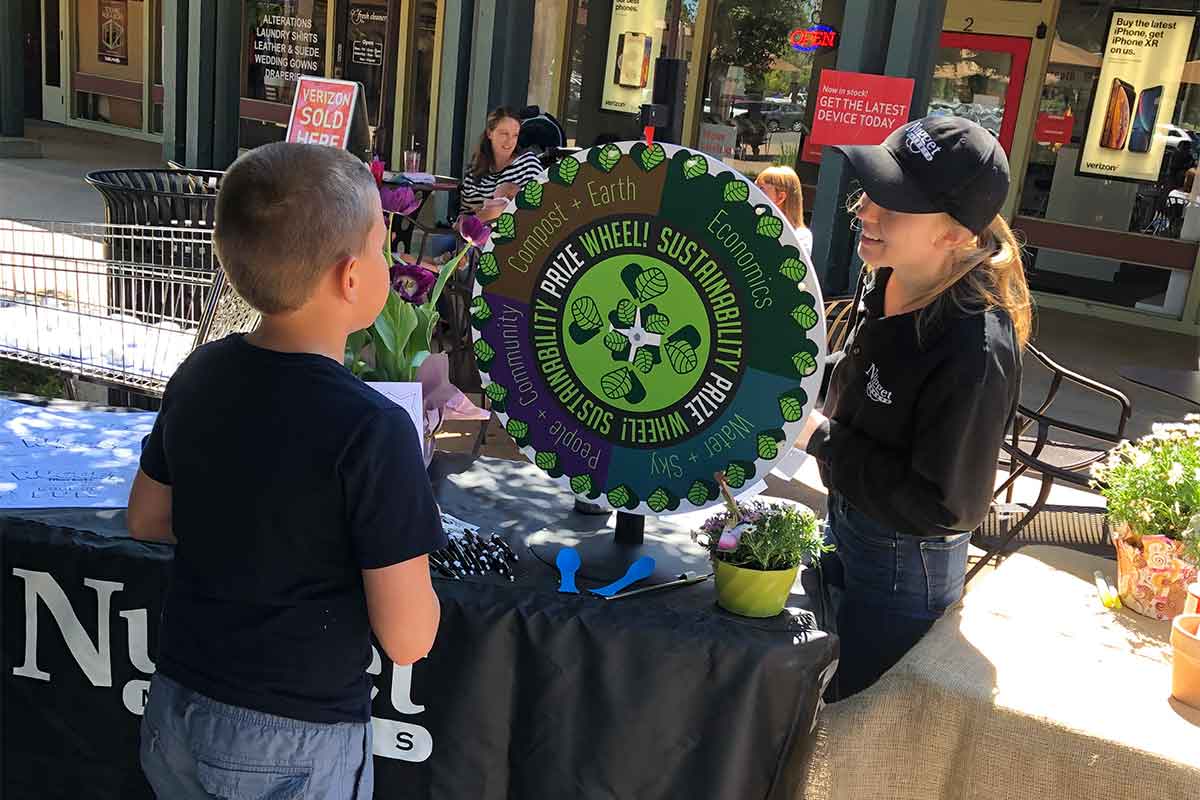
298, 500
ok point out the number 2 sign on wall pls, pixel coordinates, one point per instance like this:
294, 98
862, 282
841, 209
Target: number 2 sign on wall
322, 112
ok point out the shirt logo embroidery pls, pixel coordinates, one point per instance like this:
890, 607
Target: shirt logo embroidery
875, 390
920, 143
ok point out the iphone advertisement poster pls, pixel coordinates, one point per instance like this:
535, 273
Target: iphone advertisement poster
1134, 100
635, 39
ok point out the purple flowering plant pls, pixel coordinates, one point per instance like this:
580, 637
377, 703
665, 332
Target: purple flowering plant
766, 536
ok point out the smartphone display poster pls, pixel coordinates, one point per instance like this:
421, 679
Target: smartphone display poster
635, 39
1144, 55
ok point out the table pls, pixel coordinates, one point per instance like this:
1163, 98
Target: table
1019, 694
1181, 383
404, 231
527, 693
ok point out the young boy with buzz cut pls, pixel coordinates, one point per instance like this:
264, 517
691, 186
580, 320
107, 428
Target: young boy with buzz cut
297, 499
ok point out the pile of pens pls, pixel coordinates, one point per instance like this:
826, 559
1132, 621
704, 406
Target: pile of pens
469, 553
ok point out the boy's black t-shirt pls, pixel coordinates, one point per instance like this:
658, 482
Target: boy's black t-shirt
289, 476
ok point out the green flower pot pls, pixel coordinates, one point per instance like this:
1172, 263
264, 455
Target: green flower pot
753, 592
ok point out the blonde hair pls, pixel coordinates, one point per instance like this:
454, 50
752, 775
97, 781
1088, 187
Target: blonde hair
786, 180
987, 273
285, 214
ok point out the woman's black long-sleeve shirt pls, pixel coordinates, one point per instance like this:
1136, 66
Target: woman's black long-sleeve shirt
915, 426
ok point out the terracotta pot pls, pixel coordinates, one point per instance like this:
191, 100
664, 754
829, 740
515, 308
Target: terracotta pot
1192, 604
1185, 663
753, 592
1152, 575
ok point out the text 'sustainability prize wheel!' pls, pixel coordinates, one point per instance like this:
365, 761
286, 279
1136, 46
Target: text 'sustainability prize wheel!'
645, 318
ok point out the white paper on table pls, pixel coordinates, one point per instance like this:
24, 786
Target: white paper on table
59, 457
408, 396
789, 466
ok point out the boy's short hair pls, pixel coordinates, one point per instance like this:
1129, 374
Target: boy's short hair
285, 214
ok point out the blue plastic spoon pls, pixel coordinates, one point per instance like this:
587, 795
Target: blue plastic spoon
638, 570
567, 562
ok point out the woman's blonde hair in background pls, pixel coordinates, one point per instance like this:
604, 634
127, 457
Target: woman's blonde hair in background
786, 180
987, 273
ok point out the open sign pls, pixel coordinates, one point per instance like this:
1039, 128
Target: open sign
811, 39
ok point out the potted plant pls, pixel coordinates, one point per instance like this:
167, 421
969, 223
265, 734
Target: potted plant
756, 551
397, 347
1152, 487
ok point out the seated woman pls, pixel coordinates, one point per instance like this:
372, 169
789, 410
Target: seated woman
497, 172
781, 185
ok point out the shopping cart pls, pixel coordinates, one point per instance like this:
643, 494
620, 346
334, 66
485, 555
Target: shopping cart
117, 304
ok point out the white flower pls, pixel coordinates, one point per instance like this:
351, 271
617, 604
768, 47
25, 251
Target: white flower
1196, 474
1140, 457
1146, 514
1175, 474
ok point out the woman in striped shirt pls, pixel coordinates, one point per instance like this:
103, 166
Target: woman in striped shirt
497, 173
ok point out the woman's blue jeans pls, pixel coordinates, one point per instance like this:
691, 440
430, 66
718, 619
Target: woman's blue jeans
893, 587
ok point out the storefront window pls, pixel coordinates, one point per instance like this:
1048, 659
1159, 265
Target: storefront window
284, 40
973, 84
1160, 206
109, 83
615, 48
420, 85
366, 34
756, 84
157, 34
545, 59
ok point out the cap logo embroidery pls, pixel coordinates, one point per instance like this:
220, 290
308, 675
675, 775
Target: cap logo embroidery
920, 143
875, 390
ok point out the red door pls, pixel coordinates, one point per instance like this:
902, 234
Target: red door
980, 77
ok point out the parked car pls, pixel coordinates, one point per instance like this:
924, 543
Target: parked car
789, 116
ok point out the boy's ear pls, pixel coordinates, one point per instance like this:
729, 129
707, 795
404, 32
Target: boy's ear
345, 277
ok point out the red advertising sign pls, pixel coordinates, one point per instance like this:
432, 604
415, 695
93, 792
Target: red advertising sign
856, 108
322, 111
812, 152
1054, 128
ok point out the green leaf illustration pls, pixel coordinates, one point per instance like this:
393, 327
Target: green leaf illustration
805, 316
581, 484
652, 156
609, 156
736, 192
496, 393
506, 226
699, 493
533, 193
484, 353
617, 384
735, 475
791, 407
658, 500
806, 363
586, 315
643, 361
682, 356
694, 167
568, 168
546, 460
769, 226
614, 341
768, 448
517, 429
657, 323
619, 496
626, 312
480, 310
793, 269
650, 284
489, 268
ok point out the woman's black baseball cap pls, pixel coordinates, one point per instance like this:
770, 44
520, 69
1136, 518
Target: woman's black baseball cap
936, 164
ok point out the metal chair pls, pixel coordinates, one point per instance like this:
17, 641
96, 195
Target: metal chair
1024, 455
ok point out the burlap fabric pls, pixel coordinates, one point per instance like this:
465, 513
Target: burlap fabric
1030, 689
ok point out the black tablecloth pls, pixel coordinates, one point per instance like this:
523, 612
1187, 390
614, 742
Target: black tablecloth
526, 694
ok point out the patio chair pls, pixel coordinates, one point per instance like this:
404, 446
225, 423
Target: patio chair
1066, 462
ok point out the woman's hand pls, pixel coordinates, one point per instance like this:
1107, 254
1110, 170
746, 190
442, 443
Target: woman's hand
490, 209
508, 190
815, 420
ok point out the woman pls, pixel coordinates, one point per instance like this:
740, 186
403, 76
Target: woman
781, 185
496, 172
919, 399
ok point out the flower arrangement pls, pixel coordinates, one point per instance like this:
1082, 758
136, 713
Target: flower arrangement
774, 536
1152, 488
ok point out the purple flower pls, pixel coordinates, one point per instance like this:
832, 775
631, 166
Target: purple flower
412, 281
473, 229
399, 199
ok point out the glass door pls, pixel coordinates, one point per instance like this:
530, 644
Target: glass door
54, 97
980, 77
